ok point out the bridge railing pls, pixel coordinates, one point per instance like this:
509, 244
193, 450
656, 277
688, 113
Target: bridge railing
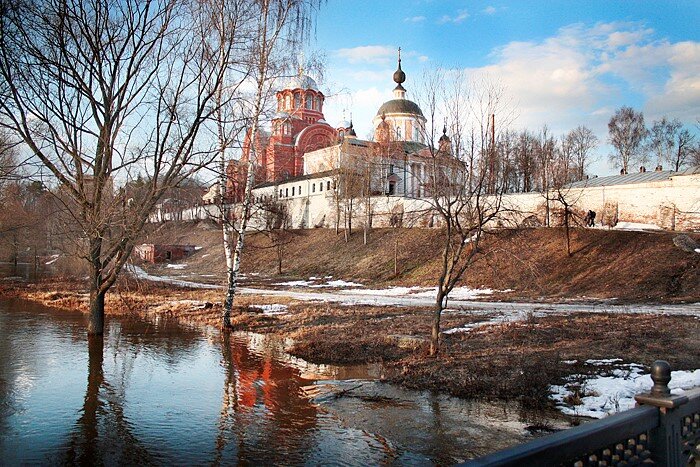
664, 429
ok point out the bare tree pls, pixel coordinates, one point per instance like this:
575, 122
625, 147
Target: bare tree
277, 226
581, 141
662, 139
626, 133
463, 183
278, 27
101, 92
684, 149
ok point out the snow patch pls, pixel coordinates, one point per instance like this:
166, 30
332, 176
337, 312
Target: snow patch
613, 391
339, 283
274, 309
295, 283
503, 318
53, 259
310, 283
176, 266
139, 273
636, 226
697, 250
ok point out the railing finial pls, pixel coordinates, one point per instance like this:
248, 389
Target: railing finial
660, 394
661, 376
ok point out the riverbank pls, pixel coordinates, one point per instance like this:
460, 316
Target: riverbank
521, 264
513, 352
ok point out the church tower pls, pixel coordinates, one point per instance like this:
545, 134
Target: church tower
401, 118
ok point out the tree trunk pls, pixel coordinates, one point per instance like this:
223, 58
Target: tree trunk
97, 313
435, 329
396, 254
568, 233
15, 253
279, 258
97, 292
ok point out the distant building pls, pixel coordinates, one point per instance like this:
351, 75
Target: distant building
153, 253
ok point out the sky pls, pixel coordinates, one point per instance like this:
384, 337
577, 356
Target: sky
561, 63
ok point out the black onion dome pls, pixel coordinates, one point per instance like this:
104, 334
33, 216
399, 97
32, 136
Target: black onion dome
400, 106
399, 75
444, 137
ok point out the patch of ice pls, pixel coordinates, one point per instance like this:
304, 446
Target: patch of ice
274, 309
176, 266
636, 226
569, 362
614, 391
197, 248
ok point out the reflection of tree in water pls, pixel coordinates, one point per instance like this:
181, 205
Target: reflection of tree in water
116, 443
103, 432
265, 417
170, 341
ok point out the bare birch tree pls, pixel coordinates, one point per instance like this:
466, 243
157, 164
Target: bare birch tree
278, 27
101, 92
626, 133
581, 141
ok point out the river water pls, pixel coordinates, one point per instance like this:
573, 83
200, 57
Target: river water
157, 392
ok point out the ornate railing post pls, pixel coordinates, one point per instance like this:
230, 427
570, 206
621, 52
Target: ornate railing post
666, 440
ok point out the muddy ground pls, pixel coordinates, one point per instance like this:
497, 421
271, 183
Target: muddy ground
510, 360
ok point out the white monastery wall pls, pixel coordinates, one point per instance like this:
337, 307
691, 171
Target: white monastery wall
672, 204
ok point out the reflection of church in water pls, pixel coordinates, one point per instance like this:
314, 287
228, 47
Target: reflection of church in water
303, 154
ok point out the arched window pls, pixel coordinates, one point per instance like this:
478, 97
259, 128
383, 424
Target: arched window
309, 101
297, 100
288, 101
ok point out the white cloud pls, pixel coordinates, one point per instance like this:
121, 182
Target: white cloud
368, 54
489, 10
459, 17
414, 19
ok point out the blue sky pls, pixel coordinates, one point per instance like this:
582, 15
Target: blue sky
562, 63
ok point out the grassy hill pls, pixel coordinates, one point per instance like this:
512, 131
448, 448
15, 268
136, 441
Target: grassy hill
629, 266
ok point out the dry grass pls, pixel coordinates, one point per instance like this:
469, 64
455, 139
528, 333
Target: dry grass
629, 266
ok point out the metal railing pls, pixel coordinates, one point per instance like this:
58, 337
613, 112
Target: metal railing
664, 429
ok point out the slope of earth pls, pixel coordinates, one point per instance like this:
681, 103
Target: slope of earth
533, 263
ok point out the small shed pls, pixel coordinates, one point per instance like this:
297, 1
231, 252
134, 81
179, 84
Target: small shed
158, 253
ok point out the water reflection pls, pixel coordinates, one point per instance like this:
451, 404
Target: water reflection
156, 392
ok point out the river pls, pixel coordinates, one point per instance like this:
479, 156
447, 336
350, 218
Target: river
155, 392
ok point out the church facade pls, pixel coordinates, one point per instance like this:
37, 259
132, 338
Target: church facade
309, 164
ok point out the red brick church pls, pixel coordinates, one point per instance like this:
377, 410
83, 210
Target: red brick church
298, 127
